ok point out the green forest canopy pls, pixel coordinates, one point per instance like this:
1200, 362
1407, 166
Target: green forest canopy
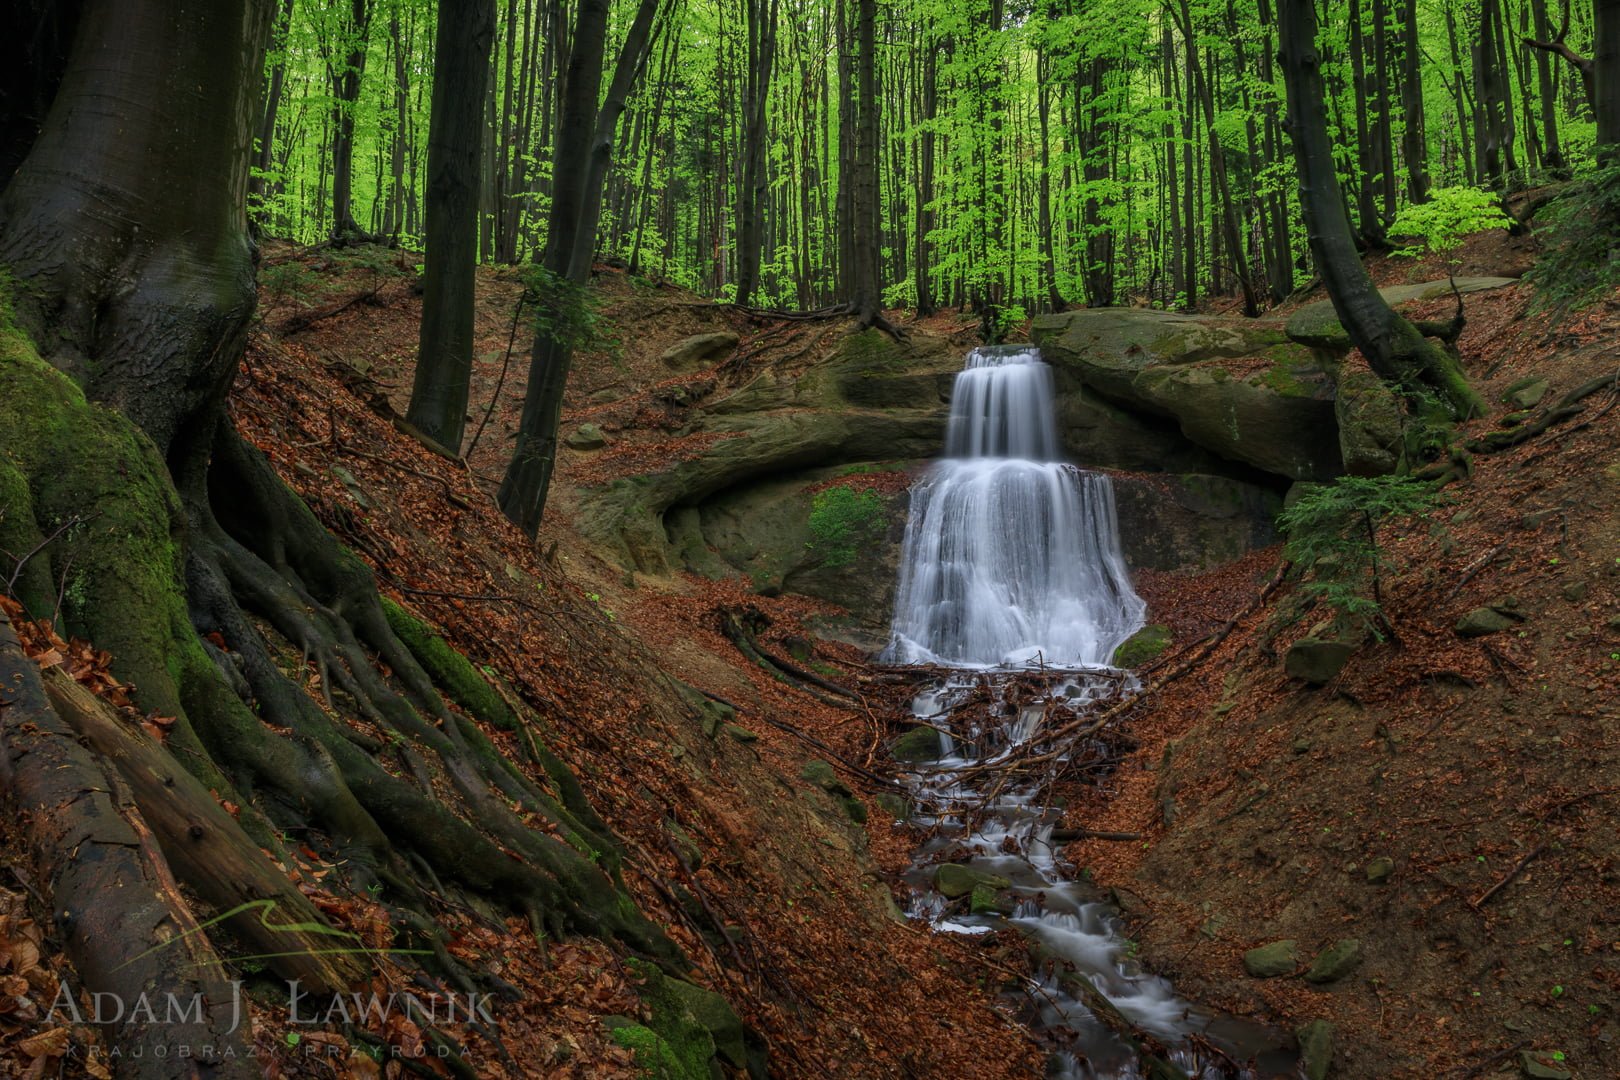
1029, 155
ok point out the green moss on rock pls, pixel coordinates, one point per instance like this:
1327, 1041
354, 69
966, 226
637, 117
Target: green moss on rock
1146, 645
451, 672
695, 1023
918, 744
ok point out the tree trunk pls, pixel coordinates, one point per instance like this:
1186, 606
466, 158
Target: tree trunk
584, 149
751, 186
346, 95
865, 296
1393, 346
127, 222
1605, 87
265, 143
444, 351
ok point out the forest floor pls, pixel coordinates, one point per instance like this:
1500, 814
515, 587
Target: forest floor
1484, 769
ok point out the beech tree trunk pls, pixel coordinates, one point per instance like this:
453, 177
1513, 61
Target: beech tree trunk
584, 149
1393, 346
126, 229
346, 94
444, 353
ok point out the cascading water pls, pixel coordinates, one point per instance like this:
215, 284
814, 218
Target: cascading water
1011, 556
1012, 559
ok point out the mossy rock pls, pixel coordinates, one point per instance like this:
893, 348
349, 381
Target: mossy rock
697, 1024
953, 880
654, 1055
1317, 660
1335, 962
1371, 423
918, 745
1147, 644
1316, 1049
823, 776
1270, 961
452, 672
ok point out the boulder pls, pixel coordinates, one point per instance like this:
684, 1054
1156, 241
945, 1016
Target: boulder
1525, 393
1277, 416
1380, 869
1317, 660
1236, 387
1335, 962
699, 350
1317, 325
1110, 347
1483, 621
984, 900
1371, 423
953, 880
1541, 1065
1146, 644
1270, 961
918, 744
1316, 1049
821, 774
586, 437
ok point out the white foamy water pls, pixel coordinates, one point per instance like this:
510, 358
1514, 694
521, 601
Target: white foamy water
1011, 556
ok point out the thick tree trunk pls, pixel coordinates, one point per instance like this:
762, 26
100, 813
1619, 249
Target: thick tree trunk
1393, 346
444, 354
1605, 86
126, 229
865, 296
751, 186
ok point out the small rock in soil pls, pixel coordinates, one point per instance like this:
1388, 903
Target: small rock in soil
1482, 621
1269, 961
1538, 1064
1335, 962
1379, 869
1317, 661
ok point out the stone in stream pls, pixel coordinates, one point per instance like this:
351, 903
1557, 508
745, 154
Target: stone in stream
918, 744
1335, 962
1316, 1049
984, 900
1316, 660
1269, 961
953, 880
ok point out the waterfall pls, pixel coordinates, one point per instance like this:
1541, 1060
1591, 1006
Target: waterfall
1011, 556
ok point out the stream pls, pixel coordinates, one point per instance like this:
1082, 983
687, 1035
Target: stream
1013, 580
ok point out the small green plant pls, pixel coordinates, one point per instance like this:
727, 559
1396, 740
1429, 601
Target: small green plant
568, 312
841, 520
1333, 537
1449, 217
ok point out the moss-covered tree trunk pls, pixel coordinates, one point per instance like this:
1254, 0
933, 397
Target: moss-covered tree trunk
124, 309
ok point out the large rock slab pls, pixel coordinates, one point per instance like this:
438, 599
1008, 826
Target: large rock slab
1317, 325
1237, 388
699, 350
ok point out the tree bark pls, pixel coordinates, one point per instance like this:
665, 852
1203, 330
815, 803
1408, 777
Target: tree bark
438, 405
1393, 346
346, 94
584, 150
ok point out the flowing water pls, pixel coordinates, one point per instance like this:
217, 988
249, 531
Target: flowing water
1012, 574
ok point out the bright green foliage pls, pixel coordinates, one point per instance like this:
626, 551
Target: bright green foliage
1449, 217
1580, 255
841, 520
567, 312
1333, 532
1027, 154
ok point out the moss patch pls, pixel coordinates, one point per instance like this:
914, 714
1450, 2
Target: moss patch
452, 672
1145, 645
697, 1024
